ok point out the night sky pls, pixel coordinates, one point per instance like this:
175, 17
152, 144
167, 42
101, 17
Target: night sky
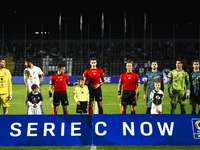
35, 11
14, 14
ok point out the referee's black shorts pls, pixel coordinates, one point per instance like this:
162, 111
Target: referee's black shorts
60, 96
95, 93
128, 98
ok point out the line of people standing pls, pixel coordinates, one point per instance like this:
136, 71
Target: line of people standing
181, 86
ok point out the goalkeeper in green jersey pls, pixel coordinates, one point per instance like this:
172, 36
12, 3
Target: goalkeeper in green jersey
178, 87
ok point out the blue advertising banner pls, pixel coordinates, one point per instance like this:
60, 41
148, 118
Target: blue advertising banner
37, 130
43, 130
72, 79
146, 129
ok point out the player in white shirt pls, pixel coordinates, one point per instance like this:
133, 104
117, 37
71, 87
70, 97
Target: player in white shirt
32, 75
156, 96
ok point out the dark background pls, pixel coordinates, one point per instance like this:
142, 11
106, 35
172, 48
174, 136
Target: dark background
161, 13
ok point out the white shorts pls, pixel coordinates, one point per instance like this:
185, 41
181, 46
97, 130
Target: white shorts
34, 111
156, 109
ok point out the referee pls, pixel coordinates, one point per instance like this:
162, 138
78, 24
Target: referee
94, 75
59, 82
129, 80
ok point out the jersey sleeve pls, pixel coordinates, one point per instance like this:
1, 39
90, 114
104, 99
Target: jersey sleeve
41, 98
67, 80
151, 95
29, 101
88, 94
121, 79
29, 98
25, 77
85, 73
161, 75
187, 76
137, 79
170, 74
101, 73
9, 82
75, 95
51, 81
40, 73
146, 76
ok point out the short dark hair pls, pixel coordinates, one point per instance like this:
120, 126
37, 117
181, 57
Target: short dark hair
80, 78
179, 59
29, 60
196, 60
60, 66
154, 61
34, 86
129, 61
93, 58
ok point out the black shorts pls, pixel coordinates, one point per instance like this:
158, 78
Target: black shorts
194, 100
60, 96
128, 98
95, 93
82, 108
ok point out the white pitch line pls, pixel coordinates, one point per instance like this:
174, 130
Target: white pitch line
93, 147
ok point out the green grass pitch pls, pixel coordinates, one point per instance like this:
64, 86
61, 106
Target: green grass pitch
110, 106
110, 101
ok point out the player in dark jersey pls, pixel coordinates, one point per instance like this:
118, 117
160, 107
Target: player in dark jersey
129, 80
151, 77
94, 75
195, 91
59, 82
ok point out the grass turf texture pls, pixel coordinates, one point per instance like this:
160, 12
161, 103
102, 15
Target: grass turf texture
110, 101
110, 106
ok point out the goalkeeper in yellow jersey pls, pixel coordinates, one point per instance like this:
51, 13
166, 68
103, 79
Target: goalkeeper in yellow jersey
178, 87
5, 84
81, 96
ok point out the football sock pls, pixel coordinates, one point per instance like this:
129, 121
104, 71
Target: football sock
148, 111
100, 110
90, 110
55, 112
172, 110
123, 112
193, 112
65, 112
132, 111
183, 110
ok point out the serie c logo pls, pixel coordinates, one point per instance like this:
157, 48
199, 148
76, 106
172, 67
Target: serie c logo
197, 124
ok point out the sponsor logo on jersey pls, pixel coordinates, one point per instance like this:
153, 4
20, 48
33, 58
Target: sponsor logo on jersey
82, 92
61, 79
94, 73
157, 97
5, 73
129, 78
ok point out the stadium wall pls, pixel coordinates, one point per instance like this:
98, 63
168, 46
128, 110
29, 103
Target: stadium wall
108, 79
43, 130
